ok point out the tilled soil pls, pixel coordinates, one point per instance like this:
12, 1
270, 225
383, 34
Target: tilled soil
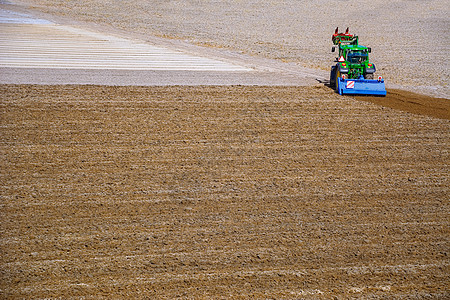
413, 103
219, 192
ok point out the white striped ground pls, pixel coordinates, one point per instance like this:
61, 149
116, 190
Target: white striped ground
27, 42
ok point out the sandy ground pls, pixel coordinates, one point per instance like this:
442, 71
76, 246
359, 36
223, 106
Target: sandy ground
37, 51
409, 39
219, 192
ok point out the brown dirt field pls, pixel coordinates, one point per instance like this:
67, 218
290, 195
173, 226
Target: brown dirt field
219, 192
413, 103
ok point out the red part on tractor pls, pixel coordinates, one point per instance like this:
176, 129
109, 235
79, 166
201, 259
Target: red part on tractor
337, 37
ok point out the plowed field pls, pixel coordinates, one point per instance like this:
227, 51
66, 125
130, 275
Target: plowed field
210, 192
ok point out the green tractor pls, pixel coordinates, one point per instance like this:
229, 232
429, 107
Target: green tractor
353, 73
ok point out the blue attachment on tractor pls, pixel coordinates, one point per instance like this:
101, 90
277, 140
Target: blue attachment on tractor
361, 86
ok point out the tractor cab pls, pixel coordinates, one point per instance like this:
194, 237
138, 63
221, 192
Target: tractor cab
357, 56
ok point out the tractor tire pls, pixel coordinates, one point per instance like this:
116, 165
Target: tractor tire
333, 77
368, 76
338, 75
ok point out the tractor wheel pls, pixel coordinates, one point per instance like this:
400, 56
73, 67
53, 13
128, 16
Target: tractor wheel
369, 76
333, 77
338, 75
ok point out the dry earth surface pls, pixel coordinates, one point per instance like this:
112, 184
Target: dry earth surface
410, 39
219, 192
233, 192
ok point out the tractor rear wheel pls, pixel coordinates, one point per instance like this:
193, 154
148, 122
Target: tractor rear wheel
368, 76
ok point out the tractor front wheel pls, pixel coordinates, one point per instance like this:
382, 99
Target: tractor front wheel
369, 76
333, 77
338, 75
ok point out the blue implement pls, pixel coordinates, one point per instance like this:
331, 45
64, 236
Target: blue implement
361, 86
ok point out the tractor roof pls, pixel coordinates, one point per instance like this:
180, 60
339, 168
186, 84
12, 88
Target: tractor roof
353, 47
